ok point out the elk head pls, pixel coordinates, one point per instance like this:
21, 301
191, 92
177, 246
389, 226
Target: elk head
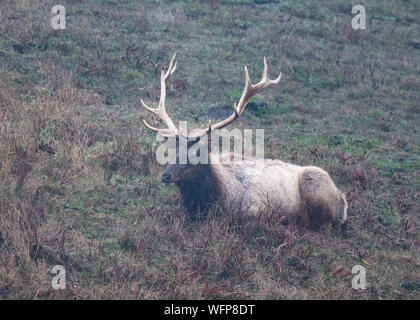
178, 173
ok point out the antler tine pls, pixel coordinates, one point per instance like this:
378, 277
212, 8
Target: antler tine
160, 111
265, 76
172, 67
249, 91
155, 111
150, 127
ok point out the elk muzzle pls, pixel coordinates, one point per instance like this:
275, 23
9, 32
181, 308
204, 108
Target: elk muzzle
166, 177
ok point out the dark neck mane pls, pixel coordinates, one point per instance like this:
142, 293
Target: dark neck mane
201, 193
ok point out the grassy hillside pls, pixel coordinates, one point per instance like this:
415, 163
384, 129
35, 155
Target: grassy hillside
79, 184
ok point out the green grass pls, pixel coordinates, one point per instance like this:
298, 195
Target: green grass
348, 102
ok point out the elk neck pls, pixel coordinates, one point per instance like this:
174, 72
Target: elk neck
207, 188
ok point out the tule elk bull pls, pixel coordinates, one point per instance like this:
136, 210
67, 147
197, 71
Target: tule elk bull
256, 185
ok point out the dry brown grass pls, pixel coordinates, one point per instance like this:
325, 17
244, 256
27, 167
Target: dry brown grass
80, 185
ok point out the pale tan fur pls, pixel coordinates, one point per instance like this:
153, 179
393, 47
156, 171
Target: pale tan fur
306, 193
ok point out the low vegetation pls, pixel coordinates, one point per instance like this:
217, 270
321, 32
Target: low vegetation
80, 186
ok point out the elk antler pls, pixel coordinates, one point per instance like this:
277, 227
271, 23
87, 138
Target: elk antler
249, 91
160, 111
